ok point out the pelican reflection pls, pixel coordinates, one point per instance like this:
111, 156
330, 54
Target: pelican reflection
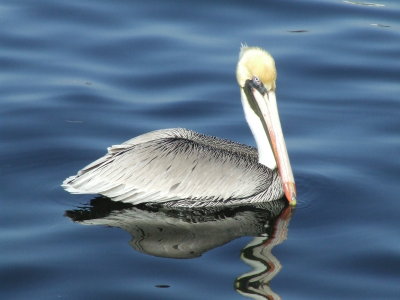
188, 233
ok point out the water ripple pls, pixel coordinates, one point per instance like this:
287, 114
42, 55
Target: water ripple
79, 76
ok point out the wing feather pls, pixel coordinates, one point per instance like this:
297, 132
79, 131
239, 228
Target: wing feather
173, 164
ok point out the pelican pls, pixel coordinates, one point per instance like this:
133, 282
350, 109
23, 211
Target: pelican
182, 168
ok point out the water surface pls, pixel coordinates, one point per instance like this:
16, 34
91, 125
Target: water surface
79, 76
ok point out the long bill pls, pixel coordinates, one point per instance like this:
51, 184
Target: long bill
269, 110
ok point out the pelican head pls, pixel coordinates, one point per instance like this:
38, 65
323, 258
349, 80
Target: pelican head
256, 75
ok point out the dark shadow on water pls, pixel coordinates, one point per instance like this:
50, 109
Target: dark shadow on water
188, 233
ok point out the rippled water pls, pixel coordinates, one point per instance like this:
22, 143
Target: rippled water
78, 76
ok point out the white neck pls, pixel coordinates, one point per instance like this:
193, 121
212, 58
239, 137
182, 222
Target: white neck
265, 154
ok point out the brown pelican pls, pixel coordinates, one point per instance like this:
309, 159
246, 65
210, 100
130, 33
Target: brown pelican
180, 167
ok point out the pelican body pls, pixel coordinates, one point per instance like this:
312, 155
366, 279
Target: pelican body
182, 168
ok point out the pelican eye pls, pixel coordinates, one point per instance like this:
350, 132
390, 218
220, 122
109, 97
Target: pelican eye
258, 85
257, 81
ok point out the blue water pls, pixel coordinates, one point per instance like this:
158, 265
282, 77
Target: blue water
79, 76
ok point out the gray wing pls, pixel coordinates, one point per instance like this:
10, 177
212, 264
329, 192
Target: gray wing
173, 164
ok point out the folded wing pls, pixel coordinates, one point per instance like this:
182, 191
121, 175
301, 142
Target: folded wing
173, 164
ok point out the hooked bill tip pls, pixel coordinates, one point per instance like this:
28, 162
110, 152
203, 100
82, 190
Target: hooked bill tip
289, 189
